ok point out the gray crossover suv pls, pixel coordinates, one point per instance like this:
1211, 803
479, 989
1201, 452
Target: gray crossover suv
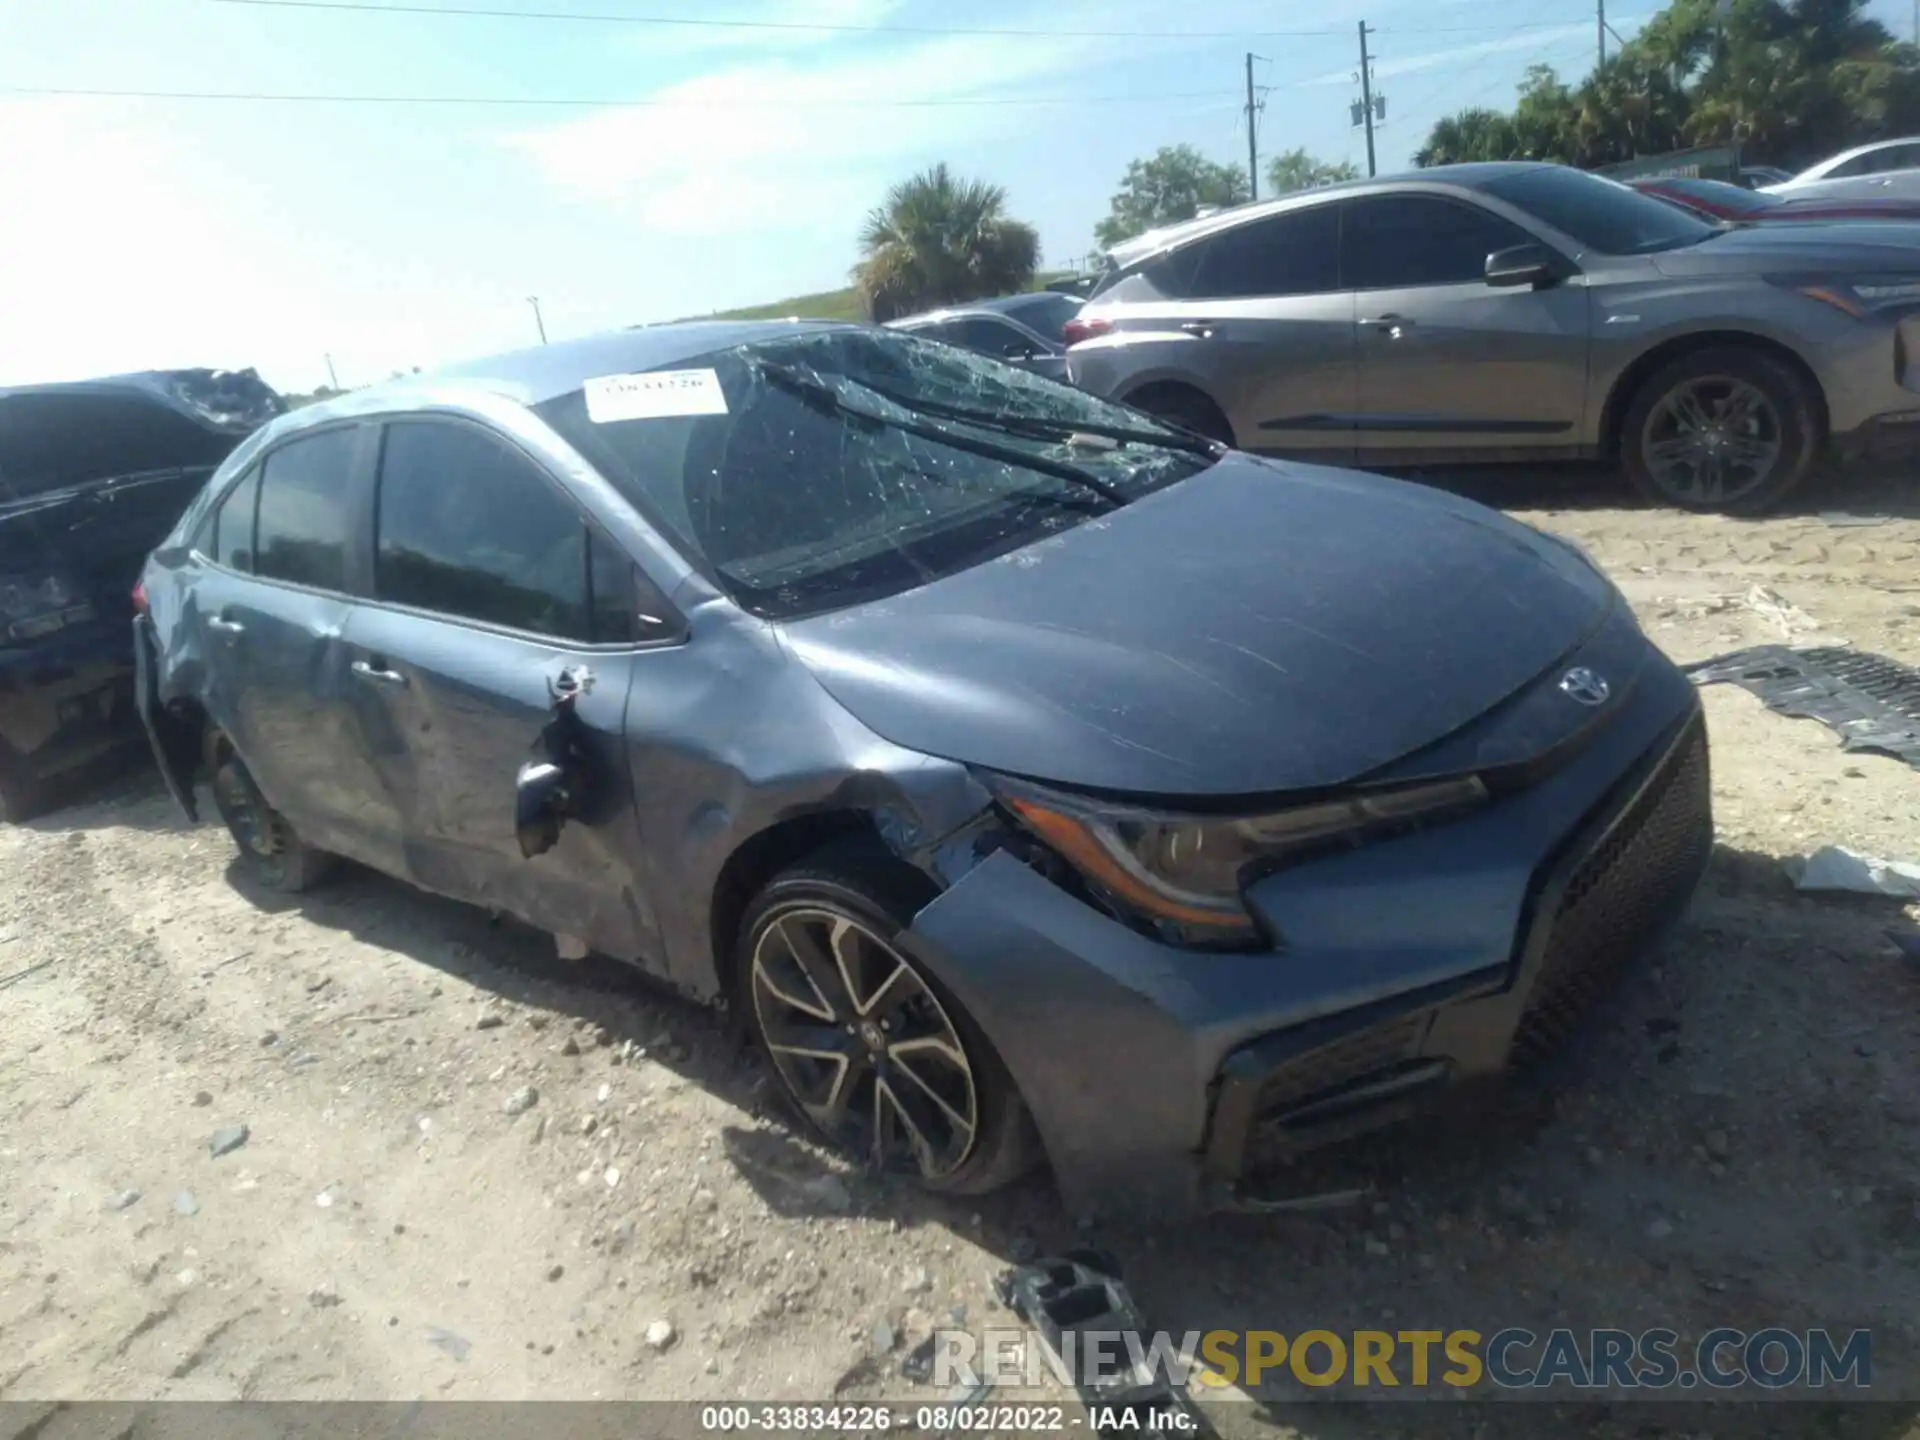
1518, 312
1030, 779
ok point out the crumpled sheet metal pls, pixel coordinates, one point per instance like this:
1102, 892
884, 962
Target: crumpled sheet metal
1871, 702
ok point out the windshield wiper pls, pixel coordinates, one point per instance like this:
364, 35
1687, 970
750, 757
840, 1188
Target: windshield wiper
815, 392
1041, 428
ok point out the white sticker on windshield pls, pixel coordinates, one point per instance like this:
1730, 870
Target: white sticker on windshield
654, 395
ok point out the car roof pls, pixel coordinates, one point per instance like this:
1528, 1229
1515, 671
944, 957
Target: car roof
1814, 171
1470, 176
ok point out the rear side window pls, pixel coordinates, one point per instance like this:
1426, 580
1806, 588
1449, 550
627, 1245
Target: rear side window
303, 527
471, 528
988, 337
1295, 253
1393, 242
232, 542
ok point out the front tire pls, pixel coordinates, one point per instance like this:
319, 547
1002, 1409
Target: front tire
1725, 429
271, 850
867, 1049
1186, 407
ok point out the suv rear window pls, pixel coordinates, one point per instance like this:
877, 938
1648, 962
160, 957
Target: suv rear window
304, 524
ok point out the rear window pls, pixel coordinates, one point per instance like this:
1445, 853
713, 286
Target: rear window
304, 524
1046, 314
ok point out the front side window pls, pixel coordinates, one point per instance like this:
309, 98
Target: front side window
302, 531
467, 526
1453, 242
1293, 253
836, 466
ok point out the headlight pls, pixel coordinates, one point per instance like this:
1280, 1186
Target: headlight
36, 605
1184, 873
1858, 295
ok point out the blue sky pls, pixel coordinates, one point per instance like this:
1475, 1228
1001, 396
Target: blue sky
159, 232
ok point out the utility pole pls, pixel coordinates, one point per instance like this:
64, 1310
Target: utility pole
541, 325
1253, 152
1366, 96
1600, 26
333, 380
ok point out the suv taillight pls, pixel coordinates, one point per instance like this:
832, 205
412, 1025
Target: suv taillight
140, 597
1076, 330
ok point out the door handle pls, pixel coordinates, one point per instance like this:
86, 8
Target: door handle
1392, 324
231, 627
1199, 327
377, 674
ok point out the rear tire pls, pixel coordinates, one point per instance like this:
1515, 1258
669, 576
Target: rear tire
1727, 430
1186, 407
843, 911
271, 850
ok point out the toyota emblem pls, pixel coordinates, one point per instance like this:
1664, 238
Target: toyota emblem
1585, 686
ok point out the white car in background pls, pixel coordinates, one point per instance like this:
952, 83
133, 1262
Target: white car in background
1886, 167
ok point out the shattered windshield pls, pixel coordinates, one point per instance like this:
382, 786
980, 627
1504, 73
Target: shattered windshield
823, 469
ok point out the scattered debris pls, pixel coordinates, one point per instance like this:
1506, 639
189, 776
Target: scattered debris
1082, 1291
1841, 520
883, 1337
227, 1139
202, 1099
324, 1199
1907, 942
522, 1100
825, 1192
1771, 605
125, 1200
489, 1020
555, 1272
612, 1176
1871, 702
917, 1364
918, 1280
1660, 1228
570, 947
324, 1296
1832, 867
570, 1046
661, 1335
185, 1204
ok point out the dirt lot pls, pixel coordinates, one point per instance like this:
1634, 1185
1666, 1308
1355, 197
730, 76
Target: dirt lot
1737, 1144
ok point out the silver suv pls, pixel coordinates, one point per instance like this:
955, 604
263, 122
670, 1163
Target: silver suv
1517, 312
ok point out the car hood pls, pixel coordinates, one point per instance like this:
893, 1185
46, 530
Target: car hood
1258, 628
1834, 247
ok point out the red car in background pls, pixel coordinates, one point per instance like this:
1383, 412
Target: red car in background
1717, 200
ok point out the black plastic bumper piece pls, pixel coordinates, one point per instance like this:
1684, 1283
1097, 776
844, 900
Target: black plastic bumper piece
146, 700
1871, 702
1080, 1293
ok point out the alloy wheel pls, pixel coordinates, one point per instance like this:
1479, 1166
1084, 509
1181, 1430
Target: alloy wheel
1712, 439
862, 1043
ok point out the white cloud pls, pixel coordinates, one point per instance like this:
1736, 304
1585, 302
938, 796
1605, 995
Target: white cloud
782, 145
657, 42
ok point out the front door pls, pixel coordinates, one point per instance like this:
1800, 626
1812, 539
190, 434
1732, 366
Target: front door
1449, 366
489, 584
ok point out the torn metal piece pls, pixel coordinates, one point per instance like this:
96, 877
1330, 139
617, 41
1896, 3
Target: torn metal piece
1294, 1204
1081, 1293
1871, 702
548, 785
1834, 868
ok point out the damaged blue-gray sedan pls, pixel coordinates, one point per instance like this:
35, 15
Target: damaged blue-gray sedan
1033, 779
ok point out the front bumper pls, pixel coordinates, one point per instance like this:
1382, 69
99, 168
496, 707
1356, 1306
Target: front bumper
1161, 1079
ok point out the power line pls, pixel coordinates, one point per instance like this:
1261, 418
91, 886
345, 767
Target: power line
369, 7
726, 103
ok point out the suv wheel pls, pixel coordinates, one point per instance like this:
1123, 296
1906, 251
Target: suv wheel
1186, 407
271, 850
1725, 429
868, 1049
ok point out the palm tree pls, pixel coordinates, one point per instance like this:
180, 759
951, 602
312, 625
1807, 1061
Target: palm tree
940, 240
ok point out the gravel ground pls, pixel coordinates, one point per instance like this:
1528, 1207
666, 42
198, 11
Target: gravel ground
469, 1170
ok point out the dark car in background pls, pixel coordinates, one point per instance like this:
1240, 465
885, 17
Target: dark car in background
92, 475
1733, 205
1028, 777
1024, 330
1519, 313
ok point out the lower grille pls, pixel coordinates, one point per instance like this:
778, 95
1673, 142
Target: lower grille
1343, 1061
1619, 895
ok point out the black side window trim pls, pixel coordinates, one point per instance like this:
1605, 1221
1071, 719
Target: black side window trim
673, 627
205, 545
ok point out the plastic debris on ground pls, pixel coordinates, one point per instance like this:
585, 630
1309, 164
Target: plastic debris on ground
1871, 702
1832, 867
